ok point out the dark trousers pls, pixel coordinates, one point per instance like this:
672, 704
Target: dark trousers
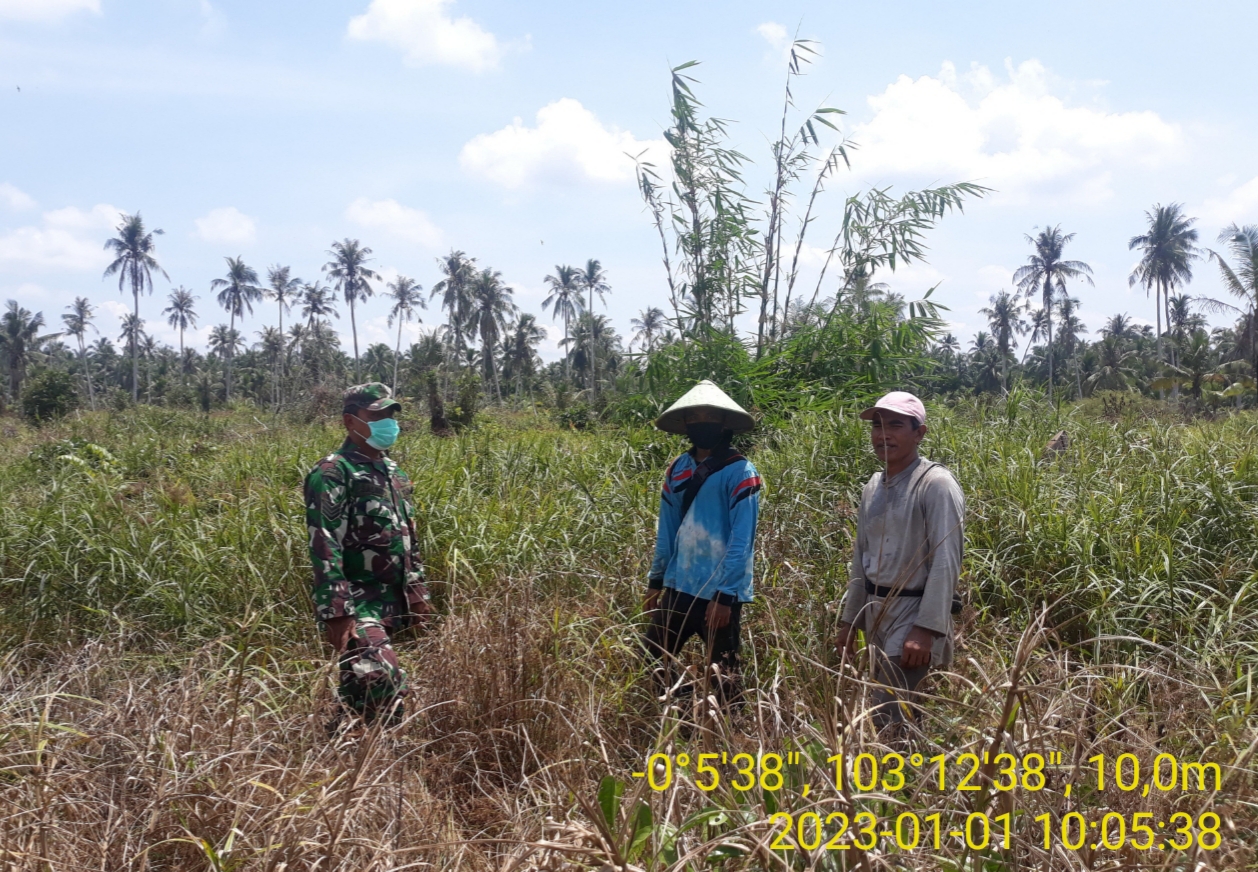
371, 678
895, 699
677, 617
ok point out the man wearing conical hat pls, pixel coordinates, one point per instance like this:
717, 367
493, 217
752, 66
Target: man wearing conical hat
705, 541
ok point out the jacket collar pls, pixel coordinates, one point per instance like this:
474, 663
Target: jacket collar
354, 454
717, 455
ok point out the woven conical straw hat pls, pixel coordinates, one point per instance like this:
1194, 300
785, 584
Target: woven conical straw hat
704, 395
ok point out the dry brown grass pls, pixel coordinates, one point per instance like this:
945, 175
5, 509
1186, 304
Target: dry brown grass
115, 759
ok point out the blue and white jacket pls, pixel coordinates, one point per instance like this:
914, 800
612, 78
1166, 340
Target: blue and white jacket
709, 554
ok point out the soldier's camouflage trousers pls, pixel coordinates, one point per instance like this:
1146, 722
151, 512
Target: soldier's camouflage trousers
371, 678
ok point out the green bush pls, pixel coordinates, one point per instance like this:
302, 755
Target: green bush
50, 393
578, 416
464, 412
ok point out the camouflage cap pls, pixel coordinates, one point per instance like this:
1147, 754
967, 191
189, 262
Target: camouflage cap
372, 397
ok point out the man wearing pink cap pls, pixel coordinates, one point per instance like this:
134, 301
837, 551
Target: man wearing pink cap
905, 560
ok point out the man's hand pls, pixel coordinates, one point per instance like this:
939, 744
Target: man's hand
339, 631
845, 641
717, 616
652, 600
916, 650
421, 610
419, 607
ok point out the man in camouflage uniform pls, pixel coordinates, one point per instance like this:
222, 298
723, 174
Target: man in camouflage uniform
368, 576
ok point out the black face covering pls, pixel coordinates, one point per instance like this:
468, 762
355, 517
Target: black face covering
707, 435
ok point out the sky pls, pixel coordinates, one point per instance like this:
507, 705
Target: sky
270, 130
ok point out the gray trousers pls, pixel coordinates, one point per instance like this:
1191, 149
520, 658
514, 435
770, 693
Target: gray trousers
895, 691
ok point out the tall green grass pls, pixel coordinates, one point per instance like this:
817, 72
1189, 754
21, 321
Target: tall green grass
1141, 528
163, 694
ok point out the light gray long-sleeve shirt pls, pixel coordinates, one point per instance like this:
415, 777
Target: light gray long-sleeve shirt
909, 535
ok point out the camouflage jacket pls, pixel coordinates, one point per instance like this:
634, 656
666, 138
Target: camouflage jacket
362, 538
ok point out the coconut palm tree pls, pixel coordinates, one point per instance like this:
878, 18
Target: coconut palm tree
594, 280
19, 343
1198, 365
1241, 280
1168, 249
523, 337
1114, 368
455, 291
595, 332
406, 295
236, 293
1181, 321
1046, 272
988, 361
950, 347
1118, 326
649, 324
78, 320
378, 359
284, 290
1070, 328
134, 264
132, 335
181, 313
271, 344
492, 306
565, 297
225, 341
294, 340
1004, 316
426, 354
348, 269
317, 304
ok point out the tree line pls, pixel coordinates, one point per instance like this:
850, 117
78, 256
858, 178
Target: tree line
730, 255
1177, 354
484, 334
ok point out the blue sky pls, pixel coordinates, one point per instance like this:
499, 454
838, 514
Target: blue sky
268, 130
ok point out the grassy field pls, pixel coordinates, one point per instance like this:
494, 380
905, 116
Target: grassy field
164, 693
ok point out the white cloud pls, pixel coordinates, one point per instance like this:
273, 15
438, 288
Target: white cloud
392, 217
69, 238
227, 225
1013, 135
115, 308
774, 34
213, 25
549, 348
994, 278
1239, 206
45, 10
15, 199
377, 329
427, 33
568, 144
913, 280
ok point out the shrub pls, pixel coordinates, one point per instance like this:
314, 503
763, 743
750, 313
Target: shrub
181, 396
578, 416
468, 400
119, 400
50, 393
437, 421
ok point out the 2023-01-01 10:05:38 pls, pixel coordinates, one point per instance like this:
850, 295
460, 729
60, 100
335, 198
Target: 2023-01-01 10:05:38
810, 831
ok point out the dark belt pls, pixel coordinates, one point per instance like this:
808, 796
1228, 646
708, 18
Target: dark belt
888, 591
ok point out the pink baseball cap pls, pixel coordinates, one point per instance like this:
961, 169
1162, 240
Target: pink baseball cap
901, 402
